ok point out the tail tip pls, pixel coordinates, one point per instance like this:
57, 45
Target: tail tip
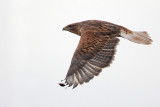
143, 37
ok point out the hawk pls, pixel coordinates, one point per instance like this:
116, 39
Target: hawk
96, 48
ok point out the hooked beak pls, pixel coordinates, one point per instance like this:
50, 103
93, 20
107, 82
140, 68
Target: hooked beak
64, 28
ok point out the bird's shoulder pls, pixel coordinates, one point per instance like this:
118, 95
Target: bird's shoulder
100, 27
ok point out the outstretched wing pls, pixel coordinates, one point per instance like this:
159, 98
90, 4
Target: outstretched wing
93, 53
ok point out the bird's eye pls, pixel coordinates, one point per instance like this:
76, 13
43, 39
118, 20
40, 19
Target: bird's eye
69, 26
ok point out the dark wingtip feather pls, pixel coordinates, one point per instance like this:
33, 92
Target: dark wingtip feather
62, 84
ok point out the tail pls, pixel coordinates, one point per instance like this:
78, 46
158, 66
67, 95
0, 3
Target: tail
137, 37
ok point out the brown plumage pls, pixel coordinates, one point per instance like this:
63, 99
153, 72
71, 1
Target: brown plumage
96, 48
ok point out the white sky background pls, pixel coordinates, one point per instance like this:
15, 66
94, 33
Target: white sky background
35, 54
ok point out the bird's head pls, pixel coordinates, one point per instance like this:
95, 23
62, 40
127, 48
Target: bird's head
74, 28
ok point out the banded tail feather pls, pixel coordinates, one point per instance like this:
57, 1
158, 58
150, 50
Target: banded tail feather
137, 37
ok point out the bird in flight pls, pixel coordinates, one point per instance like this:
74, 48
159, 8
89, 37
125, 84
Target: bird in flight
96, 48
